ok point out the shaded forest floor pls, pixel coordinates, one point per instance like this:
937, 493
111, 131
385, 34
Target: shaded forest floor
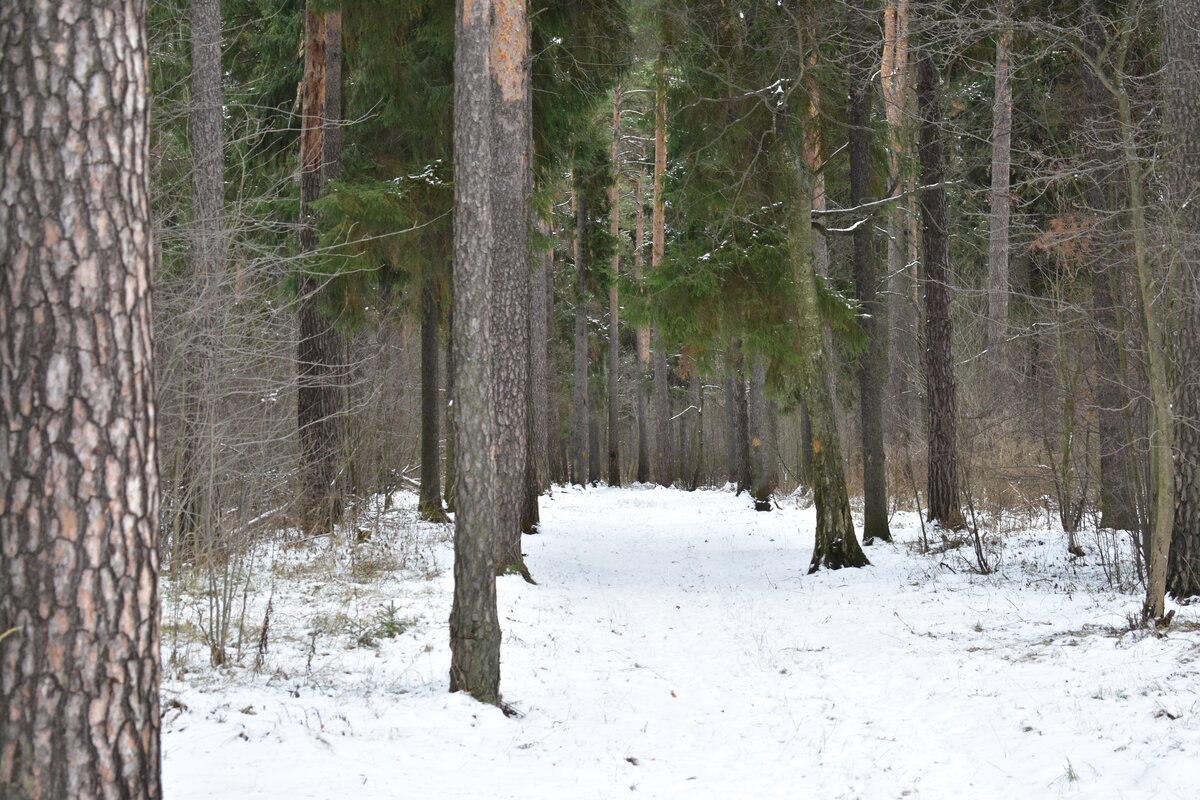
674, 647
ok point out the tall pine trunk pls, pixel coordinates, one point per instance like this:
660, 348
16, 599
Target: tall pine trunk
474, 623
511, 186
943, 490
614, 352
664, 458
579, 396
1181, 118
1000, 206
79, 494
895, 82
320, 349
872, 370
643, 342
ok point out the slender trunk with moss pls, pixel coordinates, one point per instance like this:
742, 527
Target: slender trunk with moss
761, 486
836, 545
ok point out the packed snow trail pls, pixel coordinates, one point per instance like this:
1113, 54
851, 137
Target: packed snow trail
675, 647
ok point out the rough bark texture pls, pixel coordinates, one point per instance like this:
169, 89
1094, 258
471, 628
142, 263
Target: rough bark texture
579, 395
1000, 205
614, 350
430, 502
511, 177
320, 349
474, 625
872, 369
944, 507
1181, 124
761, 486
79, 609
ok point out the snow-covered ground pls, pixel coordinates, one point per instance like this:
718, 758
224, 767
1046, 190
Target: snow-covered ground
675, 647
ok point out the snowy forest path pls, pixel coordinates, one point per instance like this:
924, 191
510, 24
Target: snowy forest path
675, 647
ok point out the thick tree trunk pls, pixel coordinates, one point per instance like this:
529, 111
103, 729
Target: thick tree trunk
430, 501
872, 370
1181, 124
320, 350
511, 186
1001, 206
579, 403
79, 495
474, 623
940, 386
614, 351
761, 486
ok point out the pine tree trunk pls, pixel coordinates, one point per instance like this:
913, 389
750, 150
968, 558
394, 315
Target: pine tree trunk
760, 485
664, 458
430, 501
614, 352
79, 492
872, 369
1181, 124
940, 386
1000, 202
320, 348
579, 404
902, 319
511, 186
474, 623
643, 343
